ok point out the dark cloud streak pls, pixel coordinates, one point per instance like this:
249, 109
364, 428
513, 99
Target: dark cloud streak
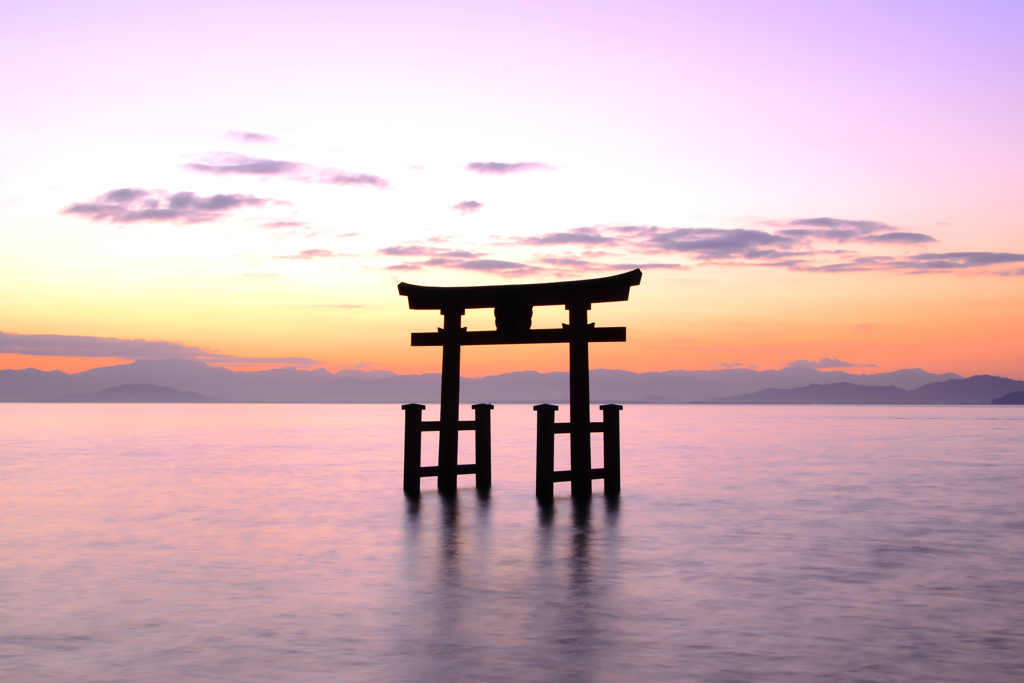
467, 207
898, 238
574, 236
502, 168
132, 205
72, 346
226, 163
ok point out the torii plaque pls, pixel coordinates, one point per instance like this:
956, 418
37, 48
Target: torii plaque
513, 312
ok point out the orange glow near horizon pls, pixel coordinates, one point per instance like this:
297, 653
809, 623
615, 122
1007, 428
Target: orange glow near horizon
944, 323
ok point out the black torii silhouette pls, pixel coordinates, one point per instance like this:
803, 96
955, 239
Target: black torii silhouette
513, 313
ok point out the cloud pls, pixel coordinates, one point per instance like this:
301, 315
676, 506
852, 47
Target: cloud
646, 266
574, 236
404, 266
128, 349
921, 263
310, 254
827, 363
796, 249
571, 263
420, 250
714, 243
501, 168
899, 238
842, 230
964, 259
492, 265
469, 206
861, 227
343, 178
822, 234
132, 205
273, 225
245, 136
228, 163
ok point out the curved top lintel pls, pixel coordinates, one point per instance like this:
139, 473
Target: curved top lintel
574, 292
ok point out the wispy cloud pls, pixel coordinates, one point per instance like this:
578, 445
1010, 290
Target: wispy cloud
228, 163
964, 259
712, 243
569, 263
828, 363
647, 266
574, 236
469, 206
899, 238
274, 225
129, 349
503, 168
420, 250
496, 266
861, 227
133, 205
311, 254
246, 136
805, 245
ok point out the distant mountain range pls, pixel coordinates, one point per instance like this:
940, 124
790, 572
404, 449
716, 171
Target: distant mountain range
136, 393
1015, 398
181, 381
973, 390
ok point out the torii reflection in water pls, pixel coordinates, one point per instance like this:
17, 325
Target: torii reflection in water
478, 610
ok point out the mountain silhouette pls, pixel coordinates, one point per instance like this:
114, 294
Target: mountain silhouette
979, 389
1014, 398
292, 385
840, 393
137, 393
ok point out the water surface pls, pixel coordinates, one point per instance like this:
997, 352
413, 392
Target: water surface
273, 543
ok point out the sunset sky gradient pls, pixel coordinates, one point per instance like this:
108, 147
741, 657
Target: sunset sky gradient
246, 183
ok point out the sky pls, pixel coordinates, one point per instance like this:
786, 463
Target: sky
245, 184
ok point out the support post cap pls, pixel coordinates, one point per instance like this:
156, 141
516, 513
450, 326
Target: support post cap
413, 406
545, 407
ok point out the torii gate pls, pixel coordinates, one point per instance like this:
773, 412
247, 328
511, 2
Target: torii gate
513, 311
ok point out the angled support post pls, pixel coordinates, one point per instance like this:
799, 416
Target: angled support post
483, 445
545, 451
413, 447
612, 465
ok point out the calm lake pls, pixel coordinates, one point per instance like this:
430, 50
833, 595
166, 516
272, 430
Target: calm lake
160, 543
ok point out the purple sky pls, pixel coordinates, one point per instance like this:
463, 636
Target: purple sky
334, 148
